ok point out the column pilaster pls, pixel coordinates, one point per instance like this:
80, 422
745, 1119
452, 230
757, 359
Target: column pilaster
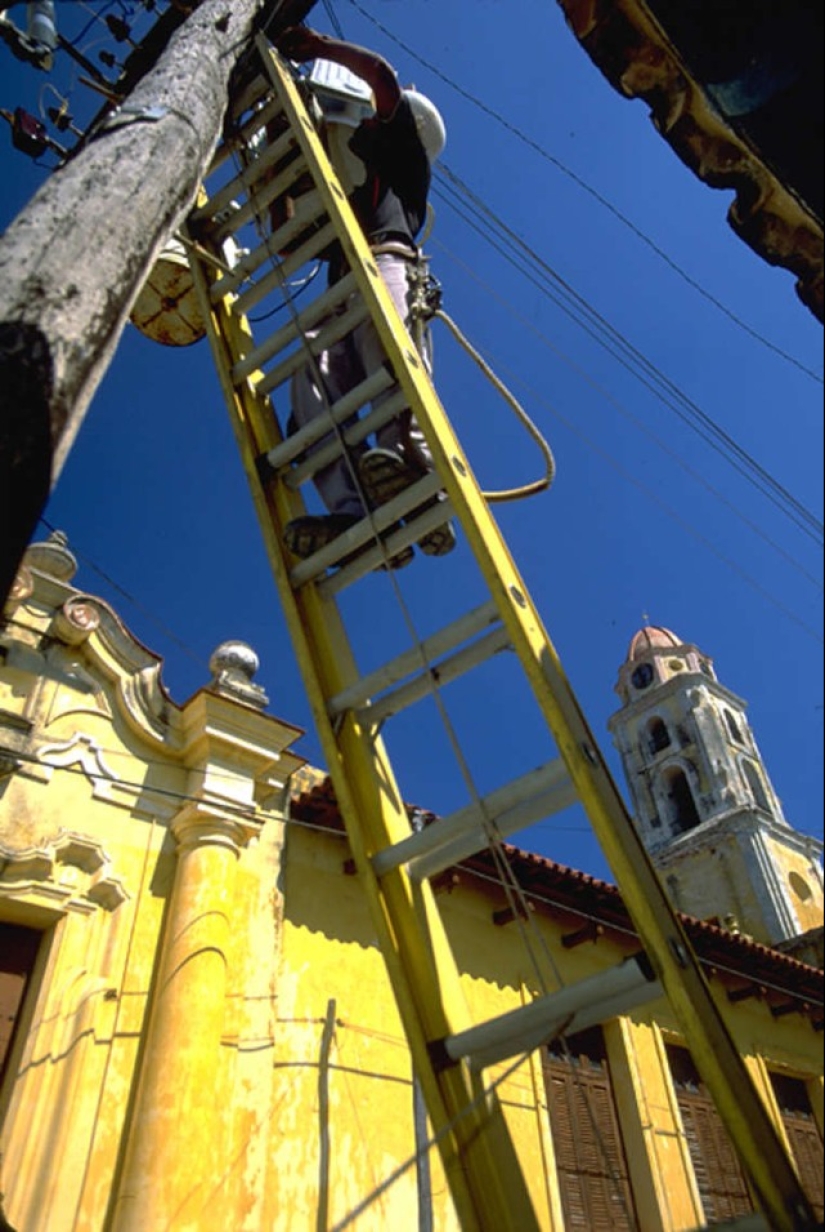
174, 1158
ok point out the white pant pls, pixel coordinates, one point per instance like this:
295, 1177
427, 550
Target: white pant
336, 371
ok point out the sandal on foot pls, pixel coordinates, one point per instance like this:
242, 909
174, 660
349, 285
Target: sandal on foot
384, 475
307, 535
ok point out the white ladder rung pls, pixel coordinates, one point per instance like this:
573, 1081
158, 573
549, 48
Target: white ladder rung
445, 672
408, 534
411, 661
320, 308
310, 210
259, 200
259, 87
337, 329
282, 455
241, 139
356, 539
575, 1008
531, 798
353, 435
283, 269
243, 182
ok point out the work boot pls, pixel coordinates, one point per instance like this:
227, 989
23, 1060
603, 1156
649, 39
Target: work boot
384, 475
307, 535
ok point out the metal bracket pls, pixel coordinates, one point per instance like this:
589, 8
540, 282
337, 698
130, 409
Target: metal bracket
130, 115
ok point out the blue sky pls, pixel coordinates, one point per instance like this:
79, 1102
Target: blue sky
645, 521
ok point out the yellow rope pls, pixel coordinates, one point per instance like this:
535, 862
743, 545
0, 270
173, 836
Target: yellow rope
539, 485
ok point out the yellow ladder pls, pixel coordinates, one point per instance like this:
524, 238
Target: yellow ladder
274, 140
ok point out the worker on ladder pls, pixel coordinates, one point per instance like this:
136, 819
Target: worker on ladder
397, 145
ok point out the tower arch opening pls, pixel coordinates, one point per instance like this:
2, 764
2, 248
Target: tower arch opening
684, 815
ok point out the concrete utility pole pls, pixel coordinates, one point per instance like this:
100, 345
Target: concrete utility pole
74, 260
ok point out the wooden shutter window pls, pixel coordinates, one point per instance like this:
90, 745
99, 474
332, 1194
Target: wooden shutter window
803, 1136
719, 1175
590, 1160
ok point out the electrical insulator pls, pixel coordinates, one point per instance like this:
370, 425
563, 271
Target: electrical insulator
28, 134
108, 59
119, 29
40, 23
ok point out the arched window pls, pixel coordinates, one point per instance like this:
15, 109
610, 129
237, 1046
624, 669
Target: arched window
733, 728
658, 737
757, 787
684, 814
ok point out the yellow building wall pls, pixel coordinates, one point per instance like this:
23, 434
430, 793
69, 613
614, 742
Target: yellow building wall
804, 884
210, 1038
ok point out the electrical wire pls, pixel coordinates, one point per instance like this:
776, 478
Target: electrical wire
333, 19
635, 362
597, 196
673, 514
673, 454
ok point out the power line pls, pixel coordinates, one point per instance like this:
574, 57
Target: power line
632, 358
686, 409
594, 193
671, 513
673, 454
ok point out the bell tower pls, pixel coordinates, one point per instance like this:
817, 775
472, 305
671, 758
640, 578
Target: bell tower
703, 803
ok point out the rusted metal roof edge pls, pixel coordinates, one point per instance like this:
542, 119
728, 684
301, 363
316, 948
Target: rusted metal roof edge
632, 51
555, 885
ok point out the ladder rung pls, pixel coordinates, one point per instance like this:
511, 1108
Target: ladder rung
243, 136
356, 539
410, 533
310, 209
437, 676
259, 199
244, 181
410, 661
282, 455
337, 329
283, 270
258, 88
533, 797
416, 495
374, 557
575, 1008
320, 308
353, 435
315, 566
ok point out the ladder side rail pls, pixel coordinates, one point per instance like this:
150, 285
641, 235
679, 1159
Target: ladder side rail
761, 1150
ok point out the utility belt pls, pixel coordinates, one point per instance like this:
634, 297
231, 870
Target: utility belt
425, 290
396, 248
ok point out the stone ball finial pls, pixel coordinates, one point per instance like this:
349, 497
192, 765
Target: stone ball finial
53, 557
233, 665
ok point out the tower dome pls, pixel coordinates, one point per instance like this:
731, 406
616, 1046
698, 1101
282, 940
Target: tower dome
652, 637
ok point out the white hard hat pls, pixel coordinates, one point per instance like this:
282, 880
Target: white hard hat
429, 123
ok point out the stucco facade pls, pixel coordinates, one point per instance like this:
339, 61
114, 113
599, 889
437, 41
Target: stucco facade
205, 1034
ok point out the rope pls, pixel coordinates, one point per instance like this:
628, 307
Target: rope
539, 485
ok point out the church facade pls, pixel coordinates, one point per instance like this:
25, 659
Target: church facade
196, 1027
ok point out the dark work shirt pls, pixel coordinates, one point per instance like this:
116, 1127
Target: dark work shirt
392, 202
